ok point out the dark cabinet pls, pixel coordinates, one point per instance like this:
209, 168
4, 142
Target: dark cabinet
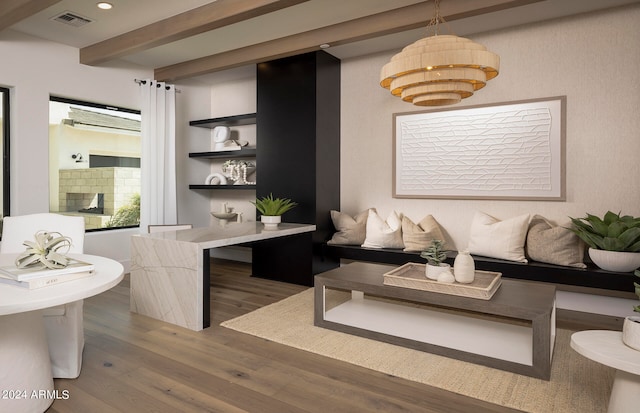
298, 128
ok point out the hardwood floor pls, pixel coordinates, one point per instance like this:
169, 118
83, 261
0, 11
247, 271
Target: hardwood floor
136, 364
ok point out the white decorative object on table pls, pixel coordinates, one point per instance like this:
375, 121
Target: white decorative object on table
435, 255
464, 268
631, 332
433, 271
270, 221
446, 276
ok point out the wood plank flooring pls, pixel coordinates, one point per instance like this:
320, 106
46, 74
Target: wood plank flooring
133, 363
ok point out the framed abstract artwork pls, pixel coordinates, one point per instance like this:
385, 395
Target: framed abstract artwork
513, 150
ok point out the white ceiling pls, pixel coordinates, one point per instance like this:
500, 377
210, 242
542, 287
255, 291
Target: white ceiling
131, 14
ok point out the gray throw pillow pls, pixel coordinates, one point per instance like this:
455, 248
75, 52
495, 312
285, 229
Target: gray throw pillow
349, 230
554, 244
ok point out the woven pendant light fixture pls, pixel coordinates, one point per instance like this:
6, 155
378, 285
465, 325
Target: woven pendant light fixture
439, 70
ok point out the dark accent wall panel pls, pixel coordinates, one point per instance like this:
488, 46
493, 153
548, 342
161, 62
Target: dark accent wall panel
298, 151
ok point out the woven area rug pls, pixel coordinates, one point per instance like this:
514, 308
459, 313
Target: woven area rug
577, 384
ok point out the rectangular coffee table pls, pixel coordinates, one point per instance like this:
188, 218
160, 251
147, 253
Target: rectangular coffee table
514, 331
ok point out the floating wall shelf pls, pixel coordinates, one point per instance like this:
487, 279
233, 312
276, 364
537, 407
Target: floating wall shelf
238, 120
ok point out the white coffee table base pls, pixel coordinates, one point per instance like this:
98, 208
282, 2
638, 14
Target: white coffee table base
24, 357
606, 347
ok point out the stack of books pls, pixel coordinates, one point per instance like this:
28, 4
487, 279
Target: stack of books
37, 278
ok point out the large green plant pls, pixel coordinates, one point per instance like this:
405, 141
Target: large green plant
611, 233
271, 206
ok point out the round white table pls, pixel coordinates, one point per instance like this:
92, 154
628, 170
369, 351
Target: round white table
606, 347
26, 384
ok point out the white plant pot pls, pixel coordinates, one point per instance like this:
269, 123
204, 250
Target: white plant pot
631, 332
270, 222
615, 260
433, 271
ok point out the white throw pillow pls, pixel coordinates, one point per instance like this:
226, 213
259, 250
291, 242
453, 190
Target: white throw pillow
491, 237
384, 234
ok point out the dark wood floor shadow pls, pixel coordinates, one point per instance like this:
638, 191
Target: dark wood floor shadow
133, 363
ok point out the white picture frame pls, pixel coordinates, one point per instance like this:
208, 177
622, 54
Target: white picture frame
511, 150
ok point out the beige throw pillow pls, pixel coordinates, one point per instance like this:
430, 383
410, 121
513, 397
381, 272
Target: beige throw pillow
554, 244
349, 230
384, 234
417, 237
491, 237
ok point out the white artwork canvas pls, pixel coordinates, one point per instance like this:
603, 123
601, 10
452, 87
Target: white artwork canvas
510, 150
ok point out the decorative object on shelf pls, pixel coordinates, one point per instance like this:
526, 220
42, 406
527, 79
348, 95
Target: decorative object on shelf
272, 209
614, 240
631, 326
439, 69
215, 179
221, 135
238, 171
225, 215
45, 252
464, 268
435, 255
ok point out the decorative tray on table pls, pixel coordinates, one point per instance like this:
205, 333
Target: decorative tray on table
412, 275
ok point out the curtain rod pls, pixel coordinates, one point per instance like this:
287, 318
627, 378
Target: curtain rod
144, 82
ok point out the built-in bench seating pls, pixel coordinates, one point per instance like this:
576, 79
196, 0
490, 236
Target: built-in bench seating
591, 280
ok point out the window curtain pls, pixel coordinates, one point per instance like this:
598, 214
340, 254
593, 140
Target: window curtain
158, 204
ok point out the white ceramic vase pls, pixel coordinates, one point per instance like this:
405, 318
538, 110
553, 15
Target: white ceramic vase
433, 271
464, 268
270, 221
615, 260
631, 332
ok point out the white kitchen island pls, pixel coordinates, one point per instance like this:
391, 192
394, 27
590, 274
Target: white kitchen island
170, 270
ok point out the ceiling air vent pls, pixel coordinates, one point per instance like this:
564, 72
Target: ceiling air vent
72, 19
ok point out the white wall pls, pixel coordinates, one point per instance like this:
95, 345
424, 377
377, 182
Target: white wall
593, 59
34, 69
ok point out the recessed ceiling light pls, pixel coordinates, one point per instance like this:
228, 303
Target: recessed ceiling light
325, 46
104, 5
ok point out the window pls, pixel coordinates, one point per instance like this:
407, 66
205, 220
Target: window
4, 151
94, 163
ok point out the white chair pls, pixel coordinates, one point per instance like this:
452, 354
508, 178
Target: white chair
63, 324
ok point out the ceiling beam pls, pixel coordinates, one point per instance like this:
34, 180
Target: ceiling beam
199, 20
13, 11
376, 25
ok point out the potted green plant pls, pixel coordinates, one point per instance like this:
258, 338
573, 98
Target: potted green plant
631, 326
271, 209
613, 240
435, 254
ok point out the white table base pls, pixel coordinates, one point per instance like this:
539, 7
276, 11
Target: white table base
625, 394
27, 383
606, 347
